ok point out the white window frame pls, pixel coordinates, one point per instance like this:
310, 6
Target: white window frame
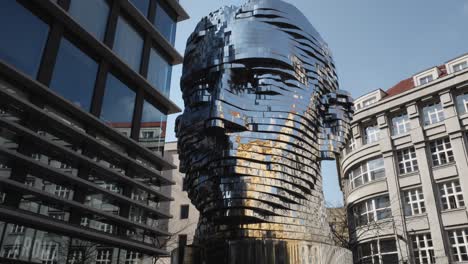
49, 254
452, 65
401, 124
441, 151
423, 248
12, 251
462, 101
425, 77
105, 227
407, 161
457, 251
460, 66
376, 252
372, 134
132, 257
433, 113
104, 256
370, 211
414, 203
17, 229
366, 173
76, 257
62, 192
450, 197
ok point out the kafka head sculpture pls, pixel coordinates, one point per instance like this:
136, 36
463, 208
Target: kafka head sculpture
262, 109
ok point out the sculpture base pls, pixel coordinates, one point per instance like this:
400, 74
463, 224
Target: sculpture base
262, 252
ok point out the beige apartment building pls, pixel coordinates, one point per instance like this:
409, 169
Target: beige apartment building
184, 219
405, 172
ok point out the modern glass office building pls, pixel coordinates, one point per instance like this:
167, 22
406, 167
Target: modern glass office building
84, 87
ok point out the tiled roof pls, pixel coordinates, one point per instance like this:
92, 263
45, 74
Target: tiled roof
408, 84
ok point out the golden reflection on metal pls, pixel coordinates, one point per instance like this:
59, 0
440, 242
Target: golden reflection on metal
262, 110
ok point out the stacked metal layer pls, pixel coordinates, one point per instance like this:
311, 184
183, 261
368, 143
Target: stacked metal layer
262, 109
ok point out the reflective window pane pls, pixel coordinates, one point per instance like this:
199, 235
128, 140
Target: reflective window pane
74, 75
141, 5
165, 24
23, 37
159, 72
118, 105
153, 128
91, 15
128, 44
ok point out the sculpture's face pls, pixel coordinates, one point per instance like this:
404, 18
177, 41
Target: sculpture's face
261, 110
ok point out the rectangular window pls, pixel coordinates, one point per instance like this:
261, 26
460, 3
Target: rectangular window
366, 172
462, 103
441, 152
132, 257
433, 113
159, 72
372, 210
12, 251
184, 211
451, 195
105, 227
401, 124
74, 75
459, 242
423, 249
141, 5
147, 134
407, 162
91, 15
378, 252
128, 44
76, 257
118, 105
414, 202
104, 256
62, 192
460, 66
372, 134
426, 79
153, 120
165, 23
49, 253
17, 229
20, 28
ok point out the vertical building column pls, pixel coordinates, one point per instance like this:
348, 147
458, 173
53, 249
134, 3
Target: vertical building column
429, 186
393, 185
452, 124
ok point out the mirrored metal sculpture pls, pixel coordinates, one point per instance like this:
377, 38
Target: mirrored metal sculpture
262, 110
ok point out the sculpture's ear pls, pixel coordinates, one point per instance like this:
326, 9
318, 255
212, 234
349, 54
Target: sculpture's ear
335, 131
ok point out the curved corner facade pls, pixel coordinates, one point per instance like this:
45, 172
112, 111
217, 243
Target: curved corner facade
404, 172
84, 87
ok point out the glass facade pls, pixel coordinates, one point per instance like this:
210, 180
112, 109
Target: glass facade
159, 72
73, 156
128, 44
19, 29
118, 104
141, 5
74, 75
165, 23
91, 15
153, 128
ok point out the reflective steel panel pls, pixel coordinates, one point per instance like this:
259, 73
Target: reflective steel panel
262, 110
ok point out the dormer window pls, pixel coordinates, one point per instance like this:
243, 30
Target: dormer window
457, 65
425, 79
426, 76
460, 66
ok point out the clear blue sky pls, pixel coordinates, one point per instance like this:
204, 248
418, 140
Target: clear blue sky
376, 43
